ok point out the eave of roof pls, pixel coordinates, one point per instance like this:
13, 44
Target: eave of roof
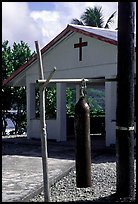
68, 29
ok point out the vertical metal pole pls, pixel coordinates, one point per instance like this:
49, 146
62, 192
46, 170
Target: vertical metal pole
43, 129
125, 101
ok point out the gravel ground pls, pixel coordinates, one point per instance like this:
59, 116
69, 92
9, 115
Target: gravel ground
103, 185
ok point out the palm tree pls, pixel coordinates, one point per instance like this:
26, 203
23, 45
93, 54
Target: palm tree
93, 17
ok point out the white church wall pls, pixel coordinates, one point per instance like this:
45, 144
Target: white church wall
110, 109
95, 62
51, 127
98, 58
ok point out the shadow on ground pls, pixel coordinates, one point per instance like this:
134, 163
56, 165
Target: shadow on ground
22, 146
26, 147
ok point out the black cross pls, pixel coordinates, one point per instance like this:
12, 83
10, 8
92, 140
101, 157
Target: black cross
80, 45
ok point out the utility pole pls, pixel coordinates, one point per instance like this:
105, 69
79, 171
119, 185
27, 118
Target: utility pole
125, 102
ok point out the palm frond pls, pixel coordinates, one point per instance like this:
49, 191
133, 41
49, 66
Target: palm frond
110, 20
77, 21
93, 17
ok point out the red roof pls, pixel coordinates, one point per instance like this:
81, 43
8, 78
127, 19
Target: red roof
106, 35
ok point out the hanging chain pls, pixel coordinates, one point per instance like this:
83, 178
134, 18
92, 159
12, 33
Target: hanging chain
83, 87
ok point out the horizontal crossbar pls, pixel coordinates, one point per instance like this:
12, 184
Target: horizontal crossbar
94, 80
62, 80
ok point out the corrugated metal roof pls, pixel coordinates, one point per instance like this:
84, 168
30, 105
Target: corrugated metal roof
104, 32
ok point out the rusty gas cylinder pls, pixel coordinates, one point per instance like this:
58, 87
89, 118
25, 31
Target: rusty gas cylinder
83, 143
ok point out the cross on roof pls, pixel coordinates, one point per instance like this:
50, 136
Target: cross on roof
80, 45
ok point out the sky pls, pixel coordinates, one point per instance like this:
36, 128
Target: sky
42, 21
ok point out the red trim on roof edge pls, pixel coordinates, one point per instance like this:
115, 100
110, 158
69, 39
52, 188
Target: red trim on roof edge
99, 37
20, 69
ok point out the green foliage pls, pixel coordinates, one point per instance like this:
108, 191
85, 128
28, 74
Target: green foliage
21, 53
14, 97
37, 102
96, 102
13, 58
94, 97
7, 67
95, 109
50, 102
93, 17
70, 102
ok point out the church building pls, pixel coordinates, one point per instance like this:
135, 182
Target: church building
78, 52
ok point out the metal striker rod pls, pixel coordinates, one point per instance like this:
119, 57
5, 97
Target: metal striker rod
41, 75
48, 79
43, 129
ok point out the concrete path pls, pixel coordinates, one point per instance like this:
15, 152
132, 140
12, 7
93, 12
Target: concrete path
22, 172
